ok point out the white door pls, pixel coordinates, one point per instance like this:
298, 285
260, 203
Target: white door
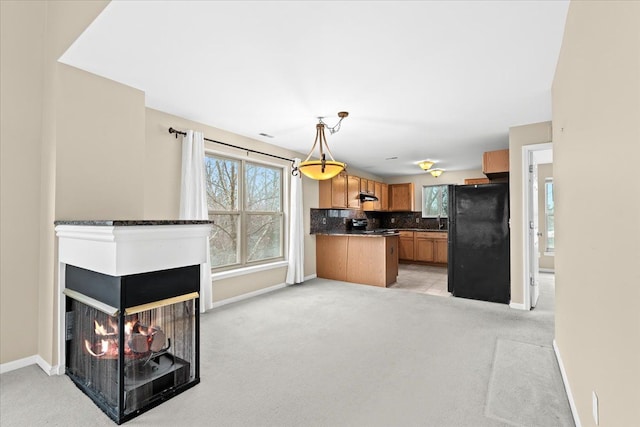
534, 253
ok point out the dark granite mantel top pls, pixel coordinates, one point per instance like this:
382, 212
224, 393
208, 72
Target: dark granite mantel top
130, 222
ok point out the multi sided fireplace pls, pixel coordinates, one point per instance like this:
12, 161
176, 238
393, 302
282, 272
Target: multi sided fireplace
130, 339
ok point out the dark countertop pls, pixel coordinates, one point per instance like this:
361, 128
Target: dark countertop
129, 222
371, 233
377, 233
429, 230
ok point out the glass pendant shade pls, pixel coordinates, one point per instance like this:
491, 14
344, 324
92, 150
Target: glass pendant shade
436, 172
321, 169
426, 165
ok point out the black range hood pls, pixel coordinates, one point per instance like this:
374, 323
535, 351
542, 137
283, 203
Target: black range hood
366, 197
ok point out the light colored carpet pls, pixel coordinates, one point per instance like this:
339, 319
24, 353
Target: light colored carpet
526, 373
329, 353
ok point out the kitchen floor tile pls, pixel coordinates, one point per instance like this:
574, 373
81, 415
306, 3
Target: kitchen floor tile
424, 279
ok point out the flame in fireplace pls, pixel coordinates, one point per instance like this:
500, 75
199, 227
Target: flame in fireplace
139, 340
106, 343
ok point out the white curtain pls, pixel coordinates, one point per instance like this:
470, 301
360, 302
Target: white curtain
295, 272
193, 202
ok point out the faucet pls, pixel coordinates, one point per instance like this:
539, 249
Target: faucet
439, 223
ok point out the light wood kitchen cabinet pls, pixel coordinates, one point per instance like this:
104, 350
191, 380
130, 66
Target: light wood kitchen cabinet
372, 260
384, 197
367, 186
369, 260
495, 162
379, 190
377, 205
331, 257
401, 197
353, 192
472, 181
441, 251
406, 248
340, 192
423, 247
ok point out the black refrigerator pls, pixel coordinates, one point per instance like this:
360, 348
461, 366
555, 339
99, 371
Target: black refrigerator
478, 264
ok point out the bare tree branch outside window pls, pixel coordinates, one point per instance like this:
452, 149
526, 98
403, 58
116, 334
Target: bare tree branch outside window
245, 203
435, 201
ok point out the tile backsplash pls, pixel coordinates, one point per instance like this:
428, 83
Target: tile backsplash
339, 220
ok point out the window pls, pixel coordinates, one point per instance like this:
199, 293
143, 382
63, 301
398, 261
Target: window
548, 214
246, 204
435, 201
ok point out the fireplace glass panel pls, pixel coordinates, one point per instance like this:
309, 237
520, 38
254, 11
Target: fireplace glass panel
152, 353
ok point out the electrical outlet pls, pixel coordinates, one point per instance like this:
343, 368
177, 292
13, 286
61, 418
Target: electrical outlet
324, 221
417, 220
344, 220
594, 398
393, 220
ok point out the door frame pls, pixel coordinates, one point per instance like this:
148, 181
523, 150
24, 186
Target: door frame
528, 152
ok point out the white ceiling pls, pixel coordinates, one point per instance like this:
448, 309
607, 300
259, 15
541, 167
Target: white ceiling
421, 80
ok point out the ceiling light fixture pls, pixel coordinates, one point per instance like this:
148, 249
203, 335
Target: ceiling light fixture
426, 165
435, 172
323, 168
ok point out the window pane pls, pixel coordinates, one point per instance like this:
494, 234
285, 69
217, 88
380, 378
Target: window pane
549, 213
431, 198
445, 201
224, 240
435, 201
264, 236
222, 183
551, 243
263, 188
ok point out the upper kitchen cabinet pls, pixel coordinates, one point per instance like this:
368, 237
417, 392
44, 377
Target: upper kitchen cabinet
353, 192
471, 181
401, 197
495, 164
383, 196
340, 192
379, 190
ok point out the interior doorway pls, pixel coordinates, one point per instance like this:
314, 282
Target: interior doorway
533, 156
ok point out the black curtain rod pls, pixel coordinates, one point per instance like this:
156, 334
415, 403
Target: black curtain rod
293, 171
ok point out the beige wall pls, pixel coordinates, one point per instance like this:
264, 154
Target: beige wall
596, 116
424, 178
100, 148
520, 136
21, 62
544, 171
34, 34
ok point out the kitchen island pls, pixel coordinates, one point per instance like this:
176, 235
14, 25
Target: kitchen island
369, 258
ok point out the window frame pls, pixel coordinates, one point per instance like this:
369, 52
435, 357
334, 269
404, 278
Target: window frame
444, 191
243, 214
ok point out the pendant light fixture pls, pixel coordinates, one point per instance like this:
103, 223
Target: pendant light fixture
323, 169
427, 165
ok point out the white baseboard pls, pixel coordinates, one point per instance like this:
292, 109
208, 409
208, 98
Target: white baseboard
518, 306
567, 387
27, 361
247, 295
255, 293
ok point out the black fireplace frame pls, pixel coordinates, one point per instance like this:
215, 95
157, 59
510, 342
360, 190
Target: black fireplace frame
120, 293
